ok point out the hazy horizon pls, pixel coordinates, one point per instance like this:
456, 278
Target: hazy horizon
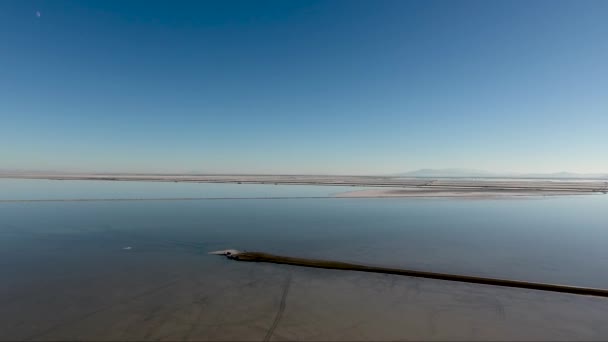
304, 87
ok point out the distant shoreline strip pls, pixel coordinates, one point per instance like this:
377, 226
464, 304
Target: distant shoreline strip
158, 199
443, 184
493, 196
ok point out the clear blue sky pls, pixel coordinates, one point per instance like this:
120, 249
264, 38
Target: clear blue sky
349, 87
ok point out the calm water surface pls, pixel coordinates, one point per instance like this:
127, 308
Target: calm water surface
139, 270
41, 189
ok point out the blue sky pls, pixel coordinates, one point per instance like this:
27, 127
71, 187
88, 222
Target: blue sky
347, 87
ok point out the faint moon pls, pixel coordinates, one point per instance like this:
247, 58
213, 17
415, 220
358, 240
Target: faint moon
38, 14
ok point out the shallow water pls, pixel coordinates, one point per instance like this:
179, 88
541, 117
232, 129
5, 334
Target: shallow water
42, 189
139, 270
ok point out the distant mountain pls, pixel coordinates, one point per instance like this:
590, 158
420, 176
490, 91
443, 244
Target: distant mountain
472, 173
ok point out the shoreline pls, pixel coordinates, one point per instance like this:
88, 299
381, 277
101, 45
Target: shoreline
382, 187
336, 196
385, 187
477, 194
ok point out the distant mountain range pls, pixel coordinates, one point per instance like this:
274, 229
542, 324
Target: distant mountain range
472, 173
